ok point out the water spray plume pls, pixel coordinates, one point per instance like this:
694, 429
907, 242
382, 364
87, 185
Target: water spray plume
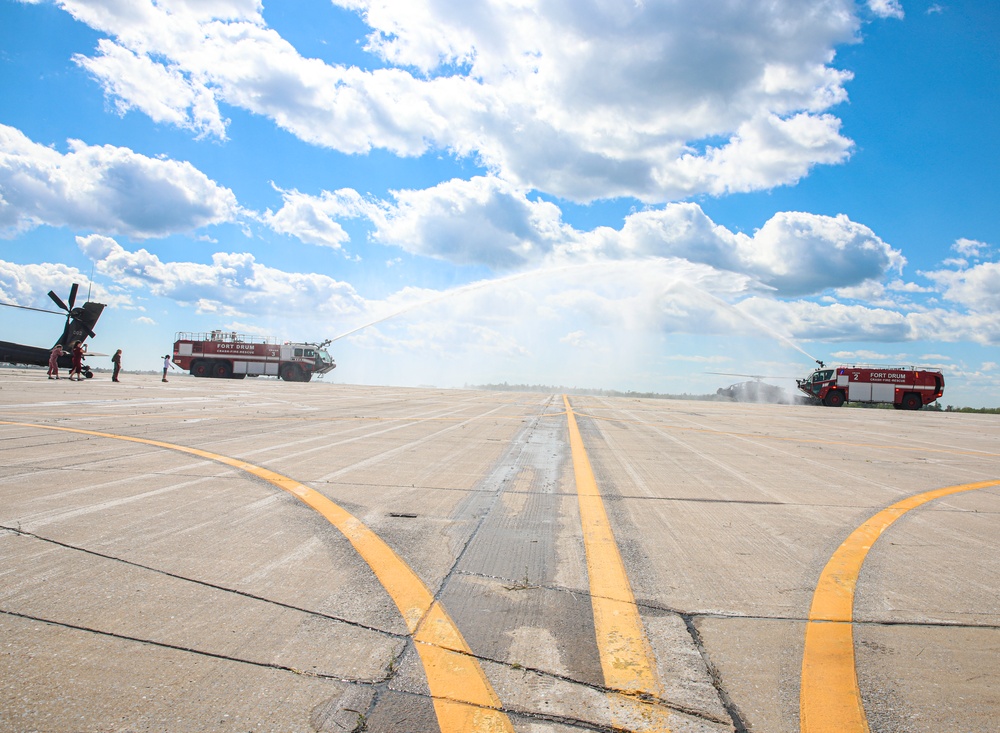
471, 287
604, 265
753, 321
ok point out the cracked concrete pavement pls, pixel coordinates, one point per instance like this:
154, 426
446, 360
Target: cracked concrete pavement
144, 589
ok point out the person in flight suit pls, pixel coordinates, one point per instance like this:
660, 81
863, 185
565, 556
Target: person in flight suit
117, 361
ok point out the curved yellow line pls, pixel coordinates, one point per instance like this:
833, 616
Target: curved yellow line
627, 658
829, 698
463, 698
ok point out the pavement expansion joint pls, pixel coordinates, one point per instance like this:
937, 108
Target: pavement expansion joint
180, 648
566, 721
736, 716
640, 697
205, 584
923, 624
861, 623
563, 720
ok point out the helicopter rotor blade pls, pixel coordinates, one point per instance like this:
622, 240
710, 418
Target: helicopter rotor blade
29, 308
58, 301
72, 295
758, 377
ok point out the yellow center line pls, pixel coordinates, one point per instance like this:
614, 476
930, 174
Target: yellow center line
627, 658
829, 698
463, 698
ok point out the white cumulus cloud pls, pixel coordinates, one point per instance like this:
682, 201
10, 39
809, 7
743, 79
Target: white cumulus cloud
481, 221
970, 247
486, 221
977, 287
232, 284
886, 8
313, 219
104, 188
658, 100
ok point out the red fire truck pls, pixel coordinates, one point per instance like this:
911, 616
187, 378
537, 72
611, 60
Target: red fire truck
230, 355
904, 387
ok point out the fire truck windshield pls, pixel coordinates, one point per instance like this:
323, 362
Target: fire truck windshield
822, 375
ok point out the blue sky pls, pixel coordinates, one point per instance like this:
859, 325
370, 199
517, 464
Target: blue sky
617, 195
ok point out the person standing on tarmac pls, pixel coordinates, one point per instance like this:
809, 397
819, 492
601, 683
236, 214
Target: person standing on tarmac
166, 365
54, 361
117, 361
77, 367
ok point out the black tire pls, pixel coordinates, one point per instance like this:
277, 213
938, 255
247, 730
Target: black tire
222, 370
292, 373
911, 401
201, 369
834, 398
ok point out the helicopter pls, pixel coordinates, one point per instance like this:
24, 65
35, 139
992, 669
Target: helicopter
754, 390
80, 322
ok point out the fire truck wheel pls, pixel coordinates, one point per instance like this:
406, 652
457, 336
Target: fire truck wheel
201, 369
911, 401
291, 373
834, 398
222, 370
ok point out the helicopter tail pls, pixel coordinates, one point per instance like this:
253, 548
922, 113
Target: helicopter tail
80, 324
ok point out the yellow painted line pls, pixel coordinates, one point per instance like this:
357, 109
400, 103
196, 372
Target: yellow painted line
463, 698
829, 698
627, 658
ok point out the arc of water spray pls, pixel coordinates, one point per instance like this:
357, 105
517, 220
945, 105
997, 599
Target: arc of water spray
751, 320
471, 287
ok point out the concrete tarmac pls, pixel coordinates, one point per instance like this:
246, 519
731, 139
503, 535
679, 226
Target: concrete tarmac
226, 555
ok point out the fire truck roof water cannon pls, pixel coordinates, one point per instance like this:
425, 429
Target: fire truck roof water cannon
903, 387
231, 355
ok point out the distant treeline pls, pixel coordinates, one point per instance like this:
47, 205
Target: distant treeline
980, 410
549, 389
938, 407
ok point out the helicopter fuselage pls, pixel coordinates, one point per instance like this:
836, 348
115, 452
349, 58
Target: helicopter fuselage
80, 322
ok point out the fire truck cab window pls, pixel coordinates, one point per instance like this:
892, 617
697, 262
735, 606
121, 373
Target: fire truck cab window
823, 376
298, 352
